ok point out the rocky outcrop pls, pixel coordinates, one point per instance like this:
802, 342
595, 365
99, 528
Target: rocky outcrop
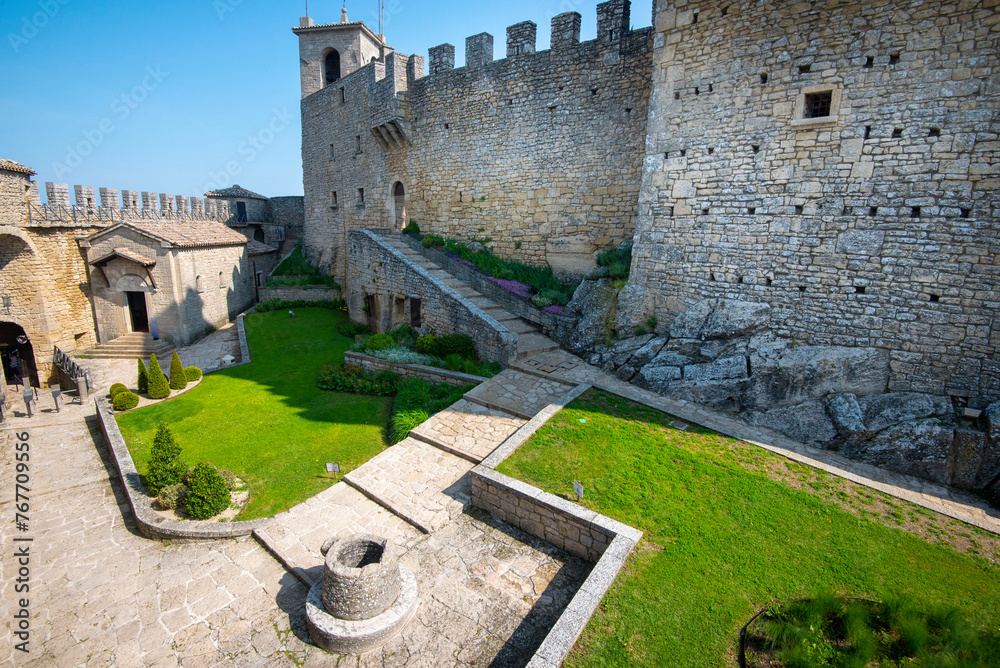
720, 354
807, 423
784, 376
596, 301
721, 319
922, 448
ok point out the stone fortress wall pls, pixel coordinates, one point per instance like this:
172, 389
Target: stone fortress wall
540, 151
874, 226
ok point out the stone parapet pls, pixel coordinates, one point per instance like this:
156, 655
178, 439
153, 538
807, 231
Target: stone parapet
562, 523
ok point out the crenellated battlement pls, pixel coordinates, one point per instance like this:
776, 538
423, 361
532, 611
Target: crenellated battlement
117, 205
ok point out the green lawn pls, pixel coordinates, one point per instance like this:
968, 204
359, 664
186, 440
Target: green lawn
730, 528
268, 421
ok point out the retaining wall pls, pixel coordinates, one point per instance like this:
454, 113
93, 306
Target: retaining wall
429, 373
150, 523
307, 293
562, 523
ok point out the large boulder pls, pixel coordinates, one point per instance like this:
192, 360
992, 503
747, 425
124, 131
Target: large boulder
845, 414
920, 448
596, 302
722, 395
727, 367
657, 378
884, 410
968, 452
784, 376
721, 319
807, 423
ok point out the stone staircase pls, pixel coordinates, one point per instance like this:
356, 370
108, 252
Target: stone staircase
529, 340
132, 346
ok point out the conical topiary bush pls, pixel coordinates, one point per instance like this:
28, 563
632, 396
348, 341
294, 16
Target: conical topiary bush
178, 379
142, 385
159, 388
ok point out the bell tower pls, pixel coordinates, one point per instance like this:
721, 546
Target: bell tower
330, 51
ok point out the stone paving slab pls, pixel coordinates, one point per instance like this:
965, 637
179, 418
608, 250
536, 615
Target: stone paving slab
423, 484
519, 393
953, 503
296, 535
468, 429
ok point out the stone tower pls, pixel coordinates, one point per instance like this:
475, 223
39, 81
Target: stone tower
331, 51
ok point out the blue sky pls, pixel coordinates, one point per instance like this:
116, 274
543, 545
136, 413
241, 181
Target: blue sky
189, 95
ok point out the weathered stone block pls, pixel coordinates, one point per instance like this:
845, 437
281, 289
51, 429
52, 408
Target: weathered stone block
807, 422
922, 448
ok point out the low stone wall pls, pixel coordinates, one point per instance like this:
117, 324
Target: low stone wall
383, 287
150, 523
562, 523
309, 293
559, 327
429, 373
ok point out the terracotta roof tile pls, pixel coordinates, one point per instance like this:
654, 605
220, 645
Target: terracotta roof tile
235, 192
11, 166
255, 247
189, 234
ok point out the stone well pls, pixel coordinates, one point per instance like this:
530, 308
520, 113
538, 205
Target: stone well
364, 598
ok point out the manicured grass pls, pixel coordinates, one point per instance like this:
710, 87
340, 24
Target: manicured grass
728, 529
268, 421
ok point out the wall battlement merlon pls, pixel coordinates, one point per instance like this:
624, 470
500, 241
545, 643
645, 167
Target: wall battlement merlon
115, 204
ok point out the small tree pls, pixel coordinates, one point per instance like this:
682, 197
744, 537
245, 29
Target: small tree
178, 379
207, 492
159, 388
143, 383
165, 464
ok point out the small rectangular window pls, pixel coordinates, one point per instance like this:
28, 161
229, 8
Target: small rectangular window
333, 198
357, 144
333, 153
343, 95
361, 195
818, 104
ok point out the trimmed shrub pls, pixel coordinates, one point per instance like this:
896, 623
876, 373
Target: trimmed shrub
125, 401
207, 492
143, 383
342, 378
159, 388
116, 388
404, 335
352, 329
380, 342
412, 227
192, 373
229, 477
178, 379
165, 464
173, 496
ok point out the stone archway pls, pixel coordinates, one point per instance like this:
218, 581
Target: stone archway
399, 205
17, 355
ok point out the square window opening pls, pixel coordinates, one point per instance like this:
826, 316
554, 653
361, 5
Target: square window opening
805, 69
817, 105
869, 62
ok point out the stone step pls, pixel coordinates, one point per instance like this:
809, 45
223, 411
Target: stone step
295, 536
420, 483
468, 429
534, 343
516, 392
519, 326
